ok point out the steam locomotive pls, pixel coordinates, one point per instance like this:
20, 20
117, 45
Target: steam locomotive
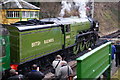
38, 41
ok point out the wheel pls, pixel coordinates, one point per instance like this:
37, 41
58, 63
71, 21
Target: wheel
87, 44
76, 48
82, 46
92, 41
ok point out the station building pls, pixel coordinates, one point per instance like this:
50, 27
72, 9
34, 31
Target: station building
12, 11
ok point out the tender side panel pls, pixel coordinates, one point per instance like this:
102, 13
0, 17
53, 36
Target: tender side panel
37, 43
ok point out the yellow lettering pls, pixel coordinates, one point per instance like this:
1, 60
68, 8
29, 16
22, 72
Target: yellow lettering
35, 43
1, 64
48, 41
67, 37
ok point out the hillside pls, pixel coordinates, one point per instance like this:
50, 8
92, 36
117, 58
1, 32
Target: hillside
107, 15
50, 9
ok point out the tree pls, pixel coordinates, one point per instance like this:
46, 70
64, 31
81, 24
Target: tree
50, 9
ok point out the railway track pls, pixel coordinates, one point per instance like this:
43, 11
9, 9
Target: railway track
72, 61
113, 35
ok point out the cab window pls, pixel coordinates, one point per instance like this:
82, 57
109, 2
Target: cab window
67, 28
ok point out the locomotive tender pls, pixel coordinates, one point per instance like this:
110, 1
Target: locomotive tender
38, 42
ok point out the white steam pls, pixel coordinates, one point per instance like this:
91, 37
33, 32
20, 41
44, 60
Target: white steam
65, 7
81, 4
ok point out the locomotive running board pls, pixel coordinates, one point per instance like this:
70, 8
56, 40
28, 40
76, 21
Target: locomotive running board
83, 34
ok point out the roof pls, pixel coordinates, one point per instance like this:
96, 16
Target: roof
63, 21
25, 28
19, 4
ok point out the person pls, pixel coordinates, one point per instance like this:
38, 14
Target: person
15, 76
34, 74
113, 50
57, 64
117, 55
65, 71
106, 73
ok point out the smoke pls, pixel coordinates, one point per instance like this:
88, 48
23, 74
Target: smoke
82, 9
79, 5
66, 6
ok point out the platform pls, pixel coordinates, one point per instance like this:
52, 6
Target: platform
116, 75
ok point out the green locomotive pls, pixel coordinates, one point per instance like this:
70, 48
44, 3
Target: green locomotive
4, 50
38, 42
